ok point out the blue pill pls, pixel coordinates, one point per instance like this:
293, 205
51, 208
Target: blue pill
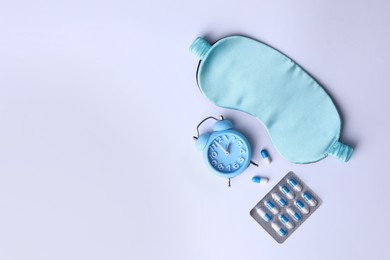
278, 229
264, 214
261, 180
286, 191
282, 202
309, 199
265, 156
293, 183
302, 207
293, 214
271, 207
286, 221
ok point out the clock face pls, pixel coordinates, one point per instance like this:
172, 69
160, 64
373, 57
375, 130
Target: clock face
229, 153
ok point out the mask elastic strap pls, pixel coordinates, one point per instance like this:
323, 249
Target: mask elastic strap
340, 151
200, 48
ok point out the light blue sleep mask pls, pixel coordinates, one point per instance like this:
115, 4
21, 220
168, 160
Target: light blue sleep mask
243, 74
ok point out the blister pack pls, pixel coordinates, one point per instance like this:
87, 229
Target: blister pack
286, 207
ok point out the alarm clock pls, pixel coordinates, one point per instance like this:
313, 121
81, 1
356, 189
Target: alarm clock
226, 152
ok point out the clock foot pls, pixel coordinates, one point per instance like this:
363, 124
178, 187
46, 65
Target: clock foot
255, 164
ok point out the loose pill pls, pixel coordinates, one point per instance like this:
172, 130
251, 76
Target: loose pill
271, 207
293, 214
282, 202
302, 207
309, 199
296, 186
267, 217
265, 156
261, 180
286, 191
286, 221
278, 229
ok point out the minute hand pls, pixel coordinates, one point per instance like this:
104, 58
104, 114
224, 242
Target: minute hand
223, 149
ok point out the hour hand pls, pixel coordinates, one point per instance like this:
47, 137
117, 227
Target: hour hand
228, 148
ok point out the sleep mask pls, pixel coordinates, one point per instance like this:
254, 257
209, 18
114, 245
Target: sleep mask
243, 74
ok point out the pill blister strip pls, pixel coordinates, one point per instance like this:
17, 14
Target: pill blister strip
279, 221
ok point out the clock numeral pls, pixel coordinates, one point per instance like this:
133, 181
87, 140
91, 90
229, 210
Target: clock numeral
236, 166
225, 137
233, 138
221, 167
214, 163
213, 155
241, 160
218, 139
242, 151
239, 143
213, 146
228, 168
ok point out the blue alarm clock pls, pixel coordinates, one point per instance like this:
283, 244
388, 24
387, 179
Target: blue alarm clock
226, 152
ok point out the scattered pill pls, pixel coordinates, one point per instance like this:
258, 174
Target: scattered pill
278, 229
293, 214
286, 191
271, 207
267, 217
286, 221
261, 180
301, 206
309, 199
296, 186
265, 156
279, 199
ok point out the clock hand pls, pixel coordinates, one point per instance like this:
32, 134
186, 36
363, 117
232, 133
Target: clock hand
223, 149
228, 148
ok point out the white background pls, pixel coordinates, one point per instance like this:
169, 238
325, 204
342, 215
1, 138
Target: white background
98, 104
